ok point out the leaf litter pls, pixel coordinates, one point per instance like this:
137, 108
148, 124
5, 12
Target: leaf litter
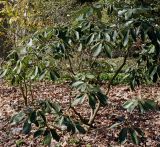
11, 102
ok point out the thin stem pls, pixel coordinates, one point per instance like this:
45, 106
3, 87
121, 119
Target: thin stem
94, 114
71, 67
117, 72
30, 88
23, 94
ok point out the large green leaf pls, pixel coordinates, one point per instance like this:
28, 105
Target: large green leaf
97, 50
80, 129
139, 131
128, 104
115, 125
134, 136
54, 75
78, 100
26, 127
108, 51
3, 73
150, 104
123, 135
77, 83
91, 38
33, 116
47, 137
126, 38
107, 37
38, 133
102, 98
41, 113
18, 117
55, 135
35, 73
56, 107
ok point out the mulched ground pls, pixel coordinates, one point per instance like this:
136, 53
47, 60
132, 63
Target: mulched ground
11, 101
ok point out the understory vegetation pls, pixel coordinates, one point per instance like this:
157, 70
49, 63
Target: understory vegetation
88, 47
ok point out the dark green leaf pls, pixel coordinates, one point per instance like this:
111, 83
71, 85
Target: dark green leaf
140, 104
54, 75
80, 129
92, 101
42, 115
47, 137
108, 51
123, 135
42, 75
133, 136
139, 131
102, 98
38, 133
150, 104
33, 116
26, 127
20, 143
56, 107
55, 135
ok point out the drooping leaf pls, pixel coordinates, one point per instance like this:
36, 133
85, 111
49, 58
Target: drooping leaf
97, 50
90, 76
108, 51
18, 117
123, 135
80, 129
77, 83
77, 35
47, 137
43, 74
3, 73
91, 38
80, 47
107, 37
42, 115
55, 135
56, 107
126, 38
132, 107
134, 136
38, 133
33, 116
35, 73
150, 104
20, 143
102, 98
142, 109
78, 100
128, 104
92, 101
54, 75
115, 125
26, 127
139, 131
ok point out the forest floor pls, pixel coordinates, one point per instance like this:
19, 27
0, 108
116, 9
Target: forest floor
11, 101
